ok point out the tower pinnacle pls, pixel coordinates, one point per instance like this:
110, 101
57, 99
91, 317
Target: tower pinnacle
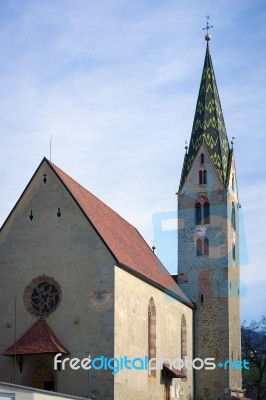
208, 125
208, 26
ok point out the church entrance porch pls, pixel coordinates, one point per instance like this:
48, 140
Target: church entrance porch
43, 378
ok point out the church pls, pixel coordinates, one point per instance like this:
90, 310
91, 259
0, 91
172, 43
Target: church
84, 287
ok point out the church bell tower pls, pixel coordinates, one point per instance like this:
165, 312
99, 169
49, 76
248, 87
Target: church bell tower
208, 243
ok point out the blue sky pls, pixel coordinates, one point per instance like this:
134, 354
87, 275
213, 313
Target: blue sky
115, 83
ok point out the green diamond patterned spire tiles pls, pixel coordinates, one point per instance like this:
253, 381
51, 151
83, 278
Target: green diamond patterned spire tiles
208, 125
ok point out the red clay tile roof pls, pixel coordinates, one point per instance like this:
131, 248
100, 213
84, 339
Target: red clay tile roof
124, 241
38, 339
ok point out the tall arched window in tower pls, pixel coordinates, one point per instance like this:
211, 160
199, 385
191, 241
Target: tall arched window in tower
199, 247
152, 334
183, 340
205, 176
198, 213
206, 212
233, 217
200, 177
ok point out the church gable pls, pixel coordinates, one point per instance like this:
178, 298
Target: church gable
47, 210
202, 175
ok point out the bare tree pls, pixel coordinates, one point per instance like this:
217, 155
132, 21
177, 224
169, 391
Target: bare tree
254, 351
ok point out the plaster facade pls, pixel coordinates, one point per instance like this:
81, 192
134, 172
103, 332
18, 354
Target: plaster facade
68, 249
132, 296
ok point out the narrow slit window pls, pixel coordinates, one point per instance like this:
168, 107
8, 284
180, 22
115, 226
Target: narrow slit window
234, 252
202, 158
233, 217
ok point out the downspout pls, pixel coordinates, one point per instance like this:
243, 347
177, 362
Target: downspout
193, 349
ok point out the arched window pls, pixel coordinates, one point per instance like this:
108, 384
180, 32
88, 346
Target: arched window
205, 176
200, 177
199, 247
233, 182
206, 212
206, 246
152, 334
183, 339
198, 213
233, 217
202, 158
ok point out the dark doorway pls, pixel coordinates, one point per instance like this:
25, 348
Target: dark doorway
43, 378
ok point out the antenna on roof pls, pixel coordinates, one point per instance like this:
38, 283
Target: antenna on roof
51, 147
153, 245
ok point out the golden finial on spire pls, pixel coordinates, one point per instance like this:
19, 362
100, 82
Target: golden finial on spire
208, 26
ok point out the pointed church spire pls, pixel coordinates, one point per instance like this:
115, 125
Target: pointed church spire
208, 125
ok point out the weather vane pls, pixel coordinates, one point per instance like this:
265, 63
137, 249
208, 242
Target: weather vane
207, 27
